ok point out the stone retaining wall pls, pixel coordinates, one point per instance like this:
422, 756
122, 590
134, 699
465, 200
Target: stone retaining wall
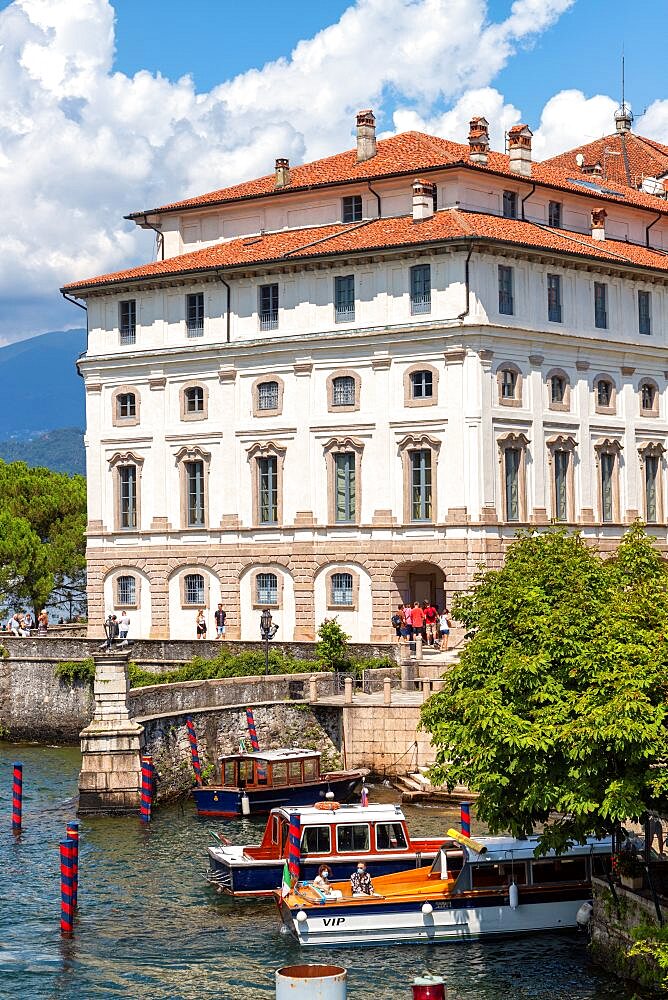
384, 740
612, 926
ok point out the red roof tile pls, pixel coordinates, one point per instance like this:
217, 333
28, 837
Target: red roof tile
625, 157
378, 234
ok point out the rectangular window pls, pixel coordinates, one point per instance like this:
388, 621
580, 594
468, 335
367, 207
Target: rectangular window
390, 837
554, 298
509, 205
195, 493
352, 208
344, 486
247, 772
342, 589
127, 590
194, 589
561, 485
267, 396
127, 476
512, 459
344, 299
600, 305
316, 840
651, 484
645, 313
354, 837
422, 384
554, 214
268, 490
310, 769
559, 870
420, 484
279, 773
268, 306
506, 305
195, 315
128, 321
294, 772
607, 486
420, 289
230, 773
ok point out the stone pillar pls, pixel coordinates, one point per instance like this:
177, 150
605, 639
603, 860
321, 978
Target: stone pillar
313, 688
348, 691
387, 691
110, 777
407, 672
418, 647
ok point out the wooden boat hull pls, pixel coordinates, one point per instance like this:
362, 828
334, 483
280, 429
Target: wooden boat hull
225, 803
377, 922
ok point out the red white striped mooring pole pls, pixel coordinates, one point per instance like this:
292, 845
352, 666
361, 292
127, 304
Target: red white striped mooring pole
194, 753
146, 789
67, 886
465, 815
17, 798
72, 833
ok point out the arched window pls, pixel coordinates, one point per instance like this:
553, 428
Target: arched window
605, 394
267, 396
126, 591
557, 388
342, 589
194, 399
649, 399
193, 589
126, 405
266, 588
343, 391
509, 382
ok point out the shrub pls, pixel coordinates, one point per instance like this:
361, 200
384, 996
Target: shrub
76, 671
332, 647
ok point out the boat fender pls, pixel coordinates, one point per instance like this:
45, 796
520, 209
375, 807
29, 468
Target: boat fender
427, 909
245, 805
584, 914
327, 806
301, 916
513, 896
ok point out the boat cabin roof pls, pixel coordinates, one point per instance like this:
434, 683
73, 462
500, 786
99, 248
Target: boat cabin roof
353, 813
271, 755
507, 848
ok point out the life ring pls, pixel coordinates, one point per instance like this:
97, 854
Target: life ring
327, 806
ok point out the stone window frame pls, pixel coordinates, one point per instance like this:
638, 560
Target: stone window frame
331, 572
565, 406
653, 449
517, 398
116, 419
610, 410
115, 577
409, 399
192, 453
202, 414
417, 442
519, 440
343, 373
568, 444
652, 411
266, 449
255, 390
115, 462
337, 446
280, 580
608, 446
206, 576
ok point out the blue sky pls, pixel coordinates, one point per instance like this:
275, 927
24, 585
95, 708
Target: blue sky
111, 106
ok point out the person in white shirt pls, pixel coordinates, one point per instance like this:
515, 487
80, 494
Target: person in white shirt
444, 629
123, 627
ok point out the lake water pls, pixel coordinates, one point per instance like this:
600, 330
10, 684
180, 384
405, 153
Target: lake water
150, 926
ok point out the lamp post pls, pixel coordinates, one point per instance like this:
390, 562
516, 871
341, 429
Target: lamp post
267, 630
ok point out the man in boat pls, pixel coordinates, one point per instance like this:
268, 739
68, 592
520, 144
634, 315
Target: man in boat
360, 881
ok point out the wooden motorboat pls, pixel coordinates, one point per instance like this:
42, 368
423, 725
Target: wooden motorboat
257, 782
329, 834
502, 888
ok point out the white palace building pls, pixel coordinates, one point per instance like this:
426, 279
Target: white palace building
349, 382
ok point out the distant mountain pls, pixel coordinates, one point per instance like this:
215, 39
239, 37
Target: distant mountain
61, 450
41, 390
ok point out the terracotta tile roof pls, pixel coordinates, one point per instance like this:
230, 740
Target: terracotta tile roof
379, 234
636, 157
407, 153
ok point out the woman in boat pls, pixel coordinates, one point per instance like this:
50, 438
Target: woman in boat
321, 881
360, 881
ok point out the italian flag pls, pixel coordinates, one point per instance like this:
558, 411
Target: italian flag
286, 883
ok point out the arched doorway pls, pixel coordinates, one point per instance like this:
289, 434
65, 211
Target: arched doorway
419, 581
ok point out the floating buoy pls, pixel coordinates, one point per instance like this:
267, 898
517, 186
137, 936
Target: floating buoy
245, 804
513, 896
584, 915
429, 987
311, 982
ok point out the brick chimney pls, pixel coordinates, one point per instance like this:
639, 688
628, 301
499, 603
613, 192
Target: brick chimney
423, 200
479, 139
519, 149
366, 135
282, 172
598, 217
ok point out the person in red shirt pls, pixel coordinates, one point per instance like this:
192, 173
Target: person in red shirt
417, 618
431, 623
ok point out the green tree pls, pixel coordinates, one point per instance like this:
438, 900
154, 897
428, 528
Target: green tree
556, 712
332, 646
42, 532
